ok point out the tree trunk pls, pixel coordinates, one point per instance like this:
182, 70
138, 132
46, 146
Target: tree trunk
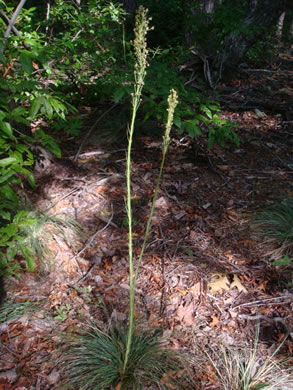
208, 6
280, 25
2, 290
263, 14
287, 33
129, 5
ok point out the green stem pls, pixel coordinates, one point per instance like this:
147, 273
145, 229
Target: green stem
140, 48
130, 238
124, 43
172, 103
149, 221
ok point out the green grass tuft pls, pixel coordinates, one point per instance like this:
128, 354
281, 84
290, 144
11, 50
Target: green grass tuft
12, 310
95, 361
275, 225
38, 235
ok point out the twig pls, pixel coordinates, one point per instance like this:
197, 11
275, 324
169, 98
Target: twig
14, 30
63, 197
83, 277
263, 70
10, 351
98, 152
276, 156
93, 237
77, 35
265, 301
84, 248
11, 23
268, 319
28, 297
91, 129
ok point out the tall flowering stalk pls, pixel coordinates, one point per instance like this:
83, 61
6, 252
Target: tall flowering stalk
126, 359
141, 52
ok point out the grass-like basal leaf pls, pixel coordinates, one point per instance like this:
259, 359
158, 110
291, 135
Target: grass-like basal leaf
95, 361
244, 368
38, 235
275, 224
12, 310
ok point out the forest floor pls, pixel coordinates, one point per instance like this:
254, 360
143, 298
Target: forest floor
204, 277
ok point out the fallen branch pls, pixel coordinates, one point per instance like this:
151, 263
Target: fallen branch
266, 301
91, 129
272, 320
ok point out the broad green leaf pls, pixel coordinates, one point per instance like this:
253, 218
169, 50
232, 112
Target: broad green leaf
7, 192
30, 261
214, 108
119, 93
5, 176
192, 129
22, 148
19, 216
177, 122
26, 222
206, 110
5, 215
31, 180
202, 118
3, 261
19, 169
26, 60
11, 253
18, 156
59, 107
10, 229
35, 107
6, 128
18, 111
48, 107
4, 239
55, 149
7, 161
2, 115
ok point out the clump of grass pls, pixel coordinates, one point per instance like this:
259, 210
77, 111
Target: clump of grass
244, 368
96, 361
40, 234
12, 310
30, 234
275, 225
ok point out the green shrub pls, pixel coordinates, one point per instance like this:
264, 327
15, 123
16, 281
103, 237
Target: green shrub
22, 100
196, 115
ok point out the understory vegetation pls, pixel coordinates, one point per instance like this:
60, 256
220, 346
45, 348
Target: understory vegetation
243, 368
140, 72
